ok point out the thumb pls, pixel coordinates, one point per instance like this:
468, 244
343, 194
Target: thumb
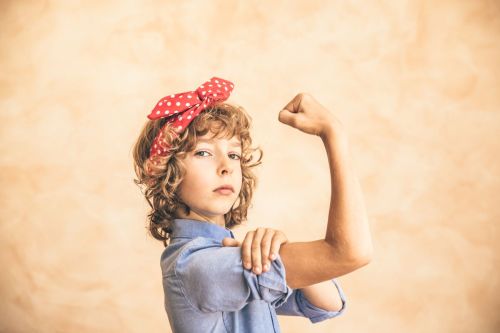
287, 117
227, 241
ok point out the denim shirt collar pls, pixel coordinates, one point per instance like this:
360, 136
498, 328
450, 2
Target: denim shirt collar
188, 228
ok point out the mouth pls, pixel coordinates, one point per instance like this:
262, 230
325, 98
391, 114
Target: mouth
224, 189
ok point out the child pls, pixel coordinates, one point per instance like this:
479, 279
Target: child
194, 159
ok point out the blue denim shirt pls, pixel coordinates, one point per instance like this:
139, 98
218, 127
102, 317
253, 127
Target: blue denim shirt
207, 289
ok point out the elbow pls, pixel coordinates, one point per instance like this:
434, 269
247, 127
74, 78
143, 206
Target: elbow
360, 253
361, 257
353, 257
357, 256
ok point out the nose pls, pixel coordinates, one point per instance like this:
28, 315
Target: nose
225, 165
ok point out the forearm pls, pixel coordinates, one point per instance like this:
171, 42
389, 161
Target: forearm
348, 229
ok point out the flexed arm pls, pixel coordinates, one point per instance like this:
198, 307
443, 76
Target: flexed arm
347, 244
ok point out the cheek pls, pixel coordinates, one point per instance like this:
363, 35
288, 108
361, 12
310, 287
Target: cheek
190, 190
195, 181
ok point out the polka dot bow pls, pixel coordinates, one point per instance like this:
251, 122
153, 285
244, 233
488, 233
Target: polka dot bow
182, 108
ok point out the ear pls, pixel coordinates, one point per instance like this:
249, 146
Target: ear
228, 241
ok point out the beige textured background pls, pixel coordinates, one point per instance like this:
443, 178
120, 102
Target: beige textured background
417, 84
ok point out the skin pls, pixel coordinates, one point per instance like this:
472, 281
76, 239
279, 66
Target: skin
210, 165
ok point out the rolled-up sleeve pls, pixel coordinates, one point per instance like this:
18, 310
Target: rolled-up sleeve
212, 278
298, 305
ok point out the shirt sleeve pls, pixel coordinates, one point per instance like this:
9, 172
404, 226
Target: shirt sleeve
213, 278
298, 305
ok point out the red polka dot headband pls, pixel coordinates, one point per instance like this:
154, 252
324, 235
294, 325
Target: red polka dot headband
182, 108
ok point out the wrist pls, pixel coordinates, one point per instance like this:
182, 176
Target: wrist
333, 132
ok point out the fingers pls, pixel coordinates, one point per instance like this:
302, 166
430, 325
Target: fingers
293, 114
286, 118
258, 246
294, 105
256, 250
265, 247
287, 114
279, 238
246, 250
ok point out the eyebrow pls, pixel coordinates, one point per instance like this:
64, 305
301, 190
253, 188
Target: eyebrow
233, 144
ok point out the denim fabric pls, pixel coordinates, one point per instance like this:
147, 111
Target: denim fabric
207, 289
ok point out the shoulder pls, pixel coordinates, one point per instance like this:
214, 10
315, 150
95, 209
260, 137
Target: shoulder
181, 251
201, 253
195, 245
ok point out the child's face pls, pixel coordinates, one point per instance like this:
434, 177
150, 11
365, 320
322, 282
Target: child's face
213, 163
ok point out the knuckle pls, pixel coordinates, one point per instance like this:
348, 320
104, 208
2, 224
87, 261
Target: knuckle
276, 246
304, 95
300, 97
280, 234
306, 98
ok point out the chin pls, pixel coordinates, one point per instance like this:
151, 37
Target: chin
221, 210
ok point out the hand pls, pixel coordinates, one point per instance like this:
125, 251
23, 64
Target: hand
306, 114
258, 248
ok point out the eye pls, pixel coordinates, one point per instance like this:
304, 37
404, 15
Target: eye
204, 151
201, 151
238, 156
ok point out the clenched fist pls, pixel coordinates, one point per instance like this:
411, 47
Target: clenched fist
308, 115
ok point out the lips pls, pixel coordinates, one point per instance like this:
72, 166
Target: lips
227, 187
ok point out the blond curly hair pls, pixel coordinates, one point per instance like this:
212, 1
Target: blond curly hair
159, 182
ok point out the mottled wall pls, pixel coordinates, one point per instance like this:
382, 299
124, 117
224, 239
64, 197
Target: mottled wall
416, 83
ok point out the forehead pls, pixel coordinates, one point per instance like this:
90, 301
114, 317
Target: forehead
234, 141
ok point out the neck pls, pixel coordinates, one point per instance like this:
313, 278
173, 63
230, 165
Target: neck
216, 219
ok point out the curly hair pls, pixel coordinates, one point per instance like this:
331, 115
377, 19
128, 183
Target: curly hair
160, 182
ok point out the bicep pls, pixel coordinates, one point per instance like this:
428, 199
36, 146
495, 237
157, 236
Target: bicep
308, 263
